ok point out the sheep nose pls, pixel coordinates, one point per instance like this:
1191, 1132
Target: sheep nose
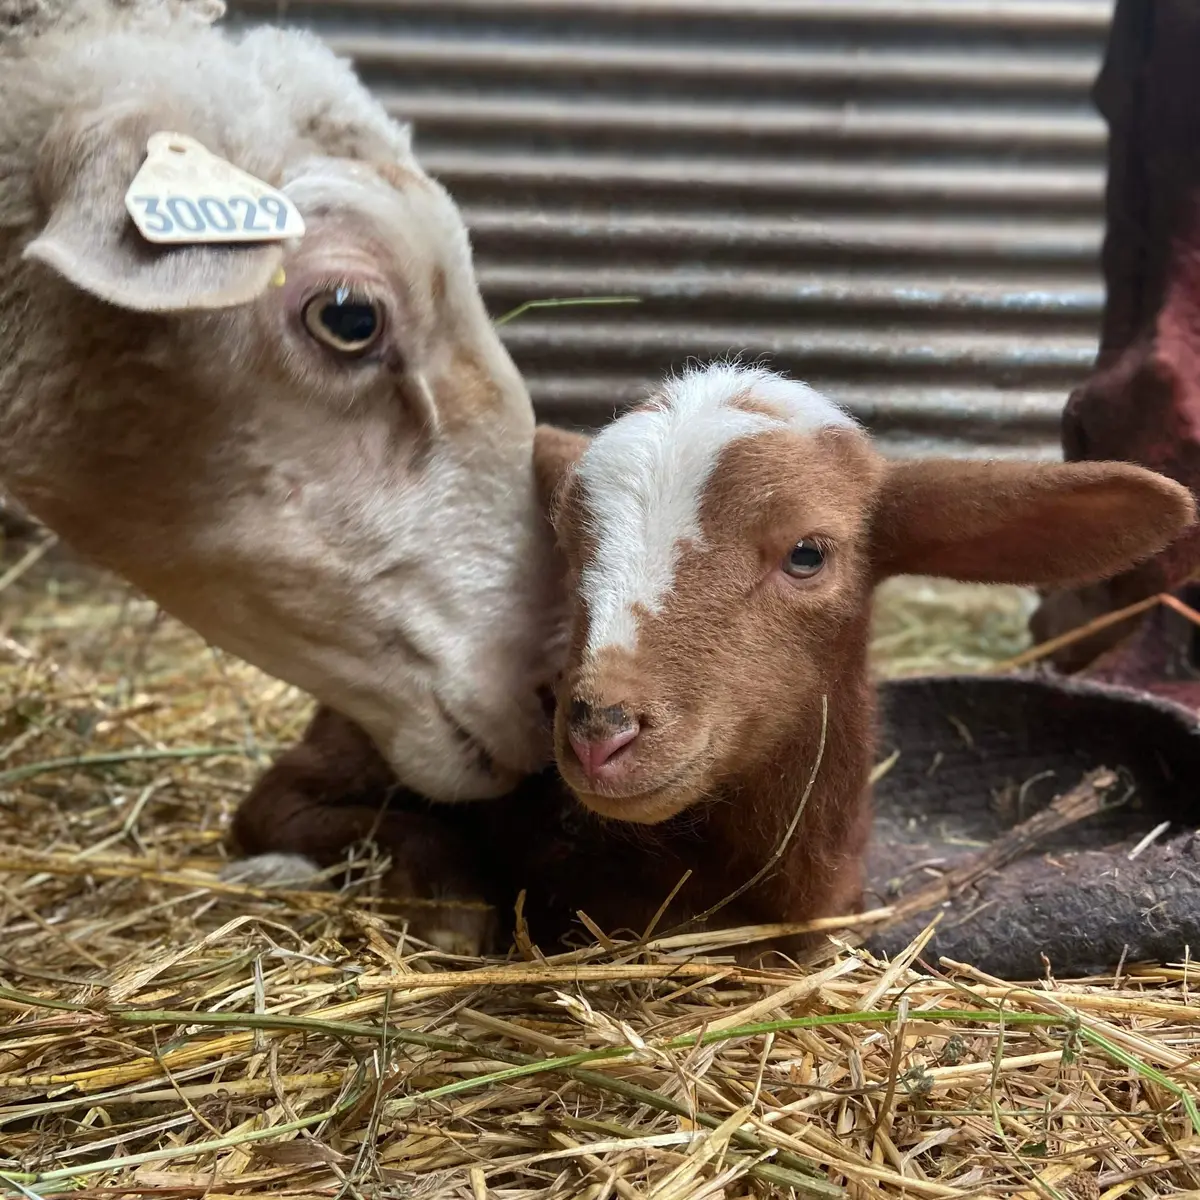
596, 735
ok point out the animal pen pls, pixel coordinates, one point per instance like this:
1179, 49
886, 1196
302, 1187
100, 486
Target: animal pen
903, 203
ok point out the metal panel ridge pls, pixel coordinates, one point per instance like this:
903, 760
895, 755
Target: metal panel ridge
899, 202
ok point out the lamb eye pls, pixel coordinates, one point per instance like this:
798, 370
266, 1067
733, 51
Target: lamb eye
804, 560
343, 321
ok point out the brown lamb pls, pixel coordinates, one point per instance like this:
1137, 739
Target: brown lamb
723, 541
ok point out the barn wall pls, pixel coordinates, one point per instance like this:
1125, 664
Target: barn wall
899, 202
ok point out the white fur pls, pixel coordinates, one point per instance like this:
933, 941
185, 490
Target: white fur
288, 871
341, 527
644, 478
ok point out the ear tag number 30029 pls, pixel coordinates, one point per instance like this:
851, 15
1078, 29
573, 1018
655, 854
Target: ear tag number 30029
183, 193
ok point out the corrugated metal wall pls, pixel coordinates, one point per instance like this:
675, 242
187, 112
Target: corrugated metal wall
900, 202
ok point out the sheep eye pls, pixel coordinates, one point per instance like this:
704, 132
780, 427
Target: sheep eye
343, 321
804, 560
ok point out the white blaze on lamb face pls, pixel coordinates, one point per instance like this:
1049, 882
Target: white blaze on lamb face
643, 480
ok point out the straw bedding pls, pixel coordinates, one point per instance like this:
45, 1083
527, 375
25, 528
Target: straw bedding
161, 1035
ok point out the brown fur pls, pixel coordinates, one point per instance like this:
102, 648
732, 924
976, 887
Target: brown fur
1006, 522
727, 680
330, 792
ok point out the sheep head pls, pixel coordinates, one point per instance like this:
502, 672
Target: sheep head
317, 453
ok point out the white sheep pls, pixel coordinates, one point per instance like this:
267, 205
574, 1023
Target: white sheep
316, 453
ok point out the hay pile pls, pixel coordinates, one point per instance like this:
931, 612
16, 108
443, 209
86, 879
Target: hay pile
162, 1036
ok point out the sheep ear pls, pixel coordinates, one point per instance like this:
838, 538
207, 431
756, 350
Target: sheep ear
85, 166
555, 452
1052, 524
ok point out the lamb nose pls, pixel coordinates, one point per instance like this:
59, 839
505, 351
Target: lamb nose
594, 756
596, 734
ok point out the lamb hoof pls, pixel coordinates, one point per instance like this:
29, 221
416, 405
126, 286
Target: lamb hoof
463, 932
287, 871
455, 941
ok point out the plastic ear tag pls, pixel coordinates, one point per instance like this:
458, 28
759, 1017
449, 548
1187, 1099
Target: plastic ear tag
183, 193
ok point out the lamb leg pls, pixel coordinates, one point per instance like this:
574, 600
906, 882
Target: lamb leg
331, 790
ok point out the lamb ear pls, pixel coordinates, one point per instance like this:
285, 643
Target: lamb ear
85, 166
555, 452
1052, 524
